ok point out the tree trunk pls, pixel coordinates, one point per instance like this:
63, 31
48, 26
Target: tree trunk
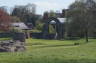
86, 34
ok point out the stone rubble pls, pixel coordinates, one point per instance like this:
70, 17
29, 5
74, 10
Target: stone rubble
12, 46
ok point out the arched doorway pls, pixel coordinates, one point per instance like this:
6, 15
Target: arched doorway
59, 28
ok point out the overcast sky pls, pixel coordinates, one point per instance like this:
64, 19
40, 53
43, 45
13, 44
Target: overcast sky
42, 5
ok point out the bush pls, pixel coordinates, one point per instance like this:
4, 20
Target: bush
76, 43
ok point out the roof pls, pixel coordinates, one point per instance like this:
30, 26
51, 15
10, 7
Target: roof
20, 25
61, 20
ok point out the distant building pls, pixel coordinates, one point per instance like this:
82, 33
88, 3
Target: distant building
61, 20
20, 26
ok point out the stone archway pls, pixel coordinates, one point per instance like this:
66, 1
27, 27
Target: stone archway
59, 34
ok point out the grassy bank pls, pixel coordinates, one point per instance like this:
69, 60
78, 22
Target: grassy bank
53, 51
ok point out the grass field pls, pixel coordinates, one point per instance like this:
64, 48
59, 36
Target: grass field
53, 51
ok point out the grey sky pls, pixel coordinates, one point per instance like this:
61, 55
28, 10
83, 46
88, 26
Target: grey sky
42, 5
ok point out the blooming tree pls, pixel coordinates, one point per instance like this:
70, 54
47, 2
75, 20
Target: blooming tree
5, 21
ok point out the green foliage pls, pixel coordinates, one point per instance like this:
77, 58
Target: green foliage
25, 15
52, 14
76, 16
15, 19
81, 20
2, 39
16, 29
39, 25
51, 29
35, 30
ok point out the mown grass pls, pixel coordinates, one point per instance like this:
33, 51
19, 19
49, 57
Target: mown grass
40, 51
2, 39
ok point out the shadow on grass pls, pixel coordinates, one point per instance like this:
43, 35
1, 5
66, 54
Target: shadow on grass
53, 60
49, 46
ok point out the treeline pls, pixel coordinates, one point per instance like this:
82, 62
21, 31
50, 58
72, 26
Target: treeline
22, 13
81, 19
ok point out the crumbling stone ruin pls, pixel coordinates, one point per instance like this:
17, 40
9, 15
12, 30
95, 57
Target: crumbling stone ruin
16, 44
11, 46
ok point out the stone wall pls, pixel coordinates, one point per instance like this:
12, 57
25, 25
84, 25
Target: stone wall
16, 44
19, 36
11, 46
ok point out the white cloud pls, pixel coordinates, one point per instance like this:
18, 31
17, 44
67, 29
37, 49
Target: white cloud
47, 6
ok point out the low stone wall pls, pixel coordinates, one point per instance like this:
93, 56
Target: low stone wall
6, 34
19, 36
40, 36
11, 46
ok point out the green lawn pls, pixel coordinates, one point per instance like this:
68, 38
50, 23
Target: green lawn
53, 51
1, 39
